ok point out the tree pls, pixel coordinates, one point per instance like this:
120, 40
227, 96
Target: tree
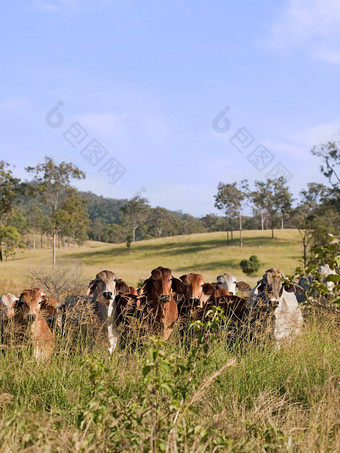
329, 154
133, 213
160, 222
72, 219
115, 233
10, 190
35, 219
53, 184
273, 198
213, 222
306, 215
230, 198
251, 266
10, 240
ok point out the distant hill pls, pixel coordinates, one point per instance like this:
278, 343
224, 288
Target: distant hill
104, 210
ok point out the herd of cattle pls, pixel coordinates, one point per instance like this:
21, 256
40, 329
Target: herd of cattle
161, 302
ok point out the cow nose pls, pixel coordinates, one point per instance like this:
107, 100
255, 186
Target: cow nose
165, 298
194, 300
31, 318
275, 302
107, 294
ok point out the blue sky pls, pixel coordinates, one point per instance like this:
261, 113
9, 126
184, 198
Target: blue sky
146, 79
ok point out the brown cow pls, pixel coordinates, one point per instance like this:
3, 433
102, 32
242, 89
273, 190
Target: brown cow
29, 316
158, 291
193, 296
234, 307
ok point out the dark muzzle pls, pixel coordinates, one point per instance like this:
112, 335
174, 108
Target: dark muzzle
31, 318
194, 301
107, 294
165, 298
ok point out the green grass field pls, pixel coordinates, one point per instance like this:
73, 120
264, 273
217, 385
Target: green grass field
201, 394
206, 253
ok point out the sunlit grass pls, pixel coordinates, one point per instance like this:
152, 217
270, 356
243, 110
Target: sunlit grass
206, 253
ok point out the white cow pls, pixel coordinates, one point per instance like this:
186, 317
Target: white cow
325, 271
230, 283
288, 318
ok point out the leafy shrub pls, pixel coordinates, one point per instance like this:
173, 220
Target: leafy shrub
251, 266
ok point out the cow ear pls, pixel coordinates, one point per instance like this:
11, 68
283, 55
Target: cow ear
122, 287
147, 286
91, 288
15, 304
243, 287
183, 277
178, 286
293, 288
208, 289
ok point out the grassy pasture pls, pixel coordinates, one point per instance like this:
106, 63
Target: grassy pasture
176, 396
206, 253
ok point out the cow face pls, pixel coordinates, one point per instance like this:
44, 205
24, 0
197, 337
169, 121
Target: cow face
104, 285
215, 292
194, 288
28, 307
227, 282
270, 286
161, 284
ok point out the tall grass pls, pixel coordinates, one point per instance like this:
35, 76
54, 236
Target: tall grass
176, 397
182, 396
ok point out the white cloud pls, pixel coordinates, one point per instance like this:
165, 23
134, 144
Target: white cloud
320, 134
312, 26
103, 123
73, 6
50, 5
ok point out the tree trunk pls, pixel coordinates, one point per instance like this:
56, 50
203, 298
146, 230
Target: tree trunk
241, 239
34, 240
228, 241
54, 248
282, 223
1, 255
134, 234
304, 243
262, 220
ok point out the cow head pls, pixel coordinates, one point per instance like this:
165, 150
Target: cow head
106, 285
161, 284
29, 304
269, 289
194, 288
229, 282
215, 292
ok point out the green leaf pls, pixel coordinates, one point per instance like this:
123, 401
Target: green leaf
146, 370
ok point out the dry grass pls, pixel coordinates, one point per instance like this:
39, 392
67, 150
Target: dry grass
190, 401
206, 253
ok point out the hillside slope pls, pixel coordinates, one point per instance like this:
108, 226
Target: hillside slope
206, 253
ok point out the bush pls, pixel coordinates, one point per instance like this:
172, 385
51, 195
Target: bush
251, 266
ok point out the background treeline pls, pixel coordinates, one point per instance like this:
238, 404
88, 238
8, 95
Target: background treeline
47, 211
